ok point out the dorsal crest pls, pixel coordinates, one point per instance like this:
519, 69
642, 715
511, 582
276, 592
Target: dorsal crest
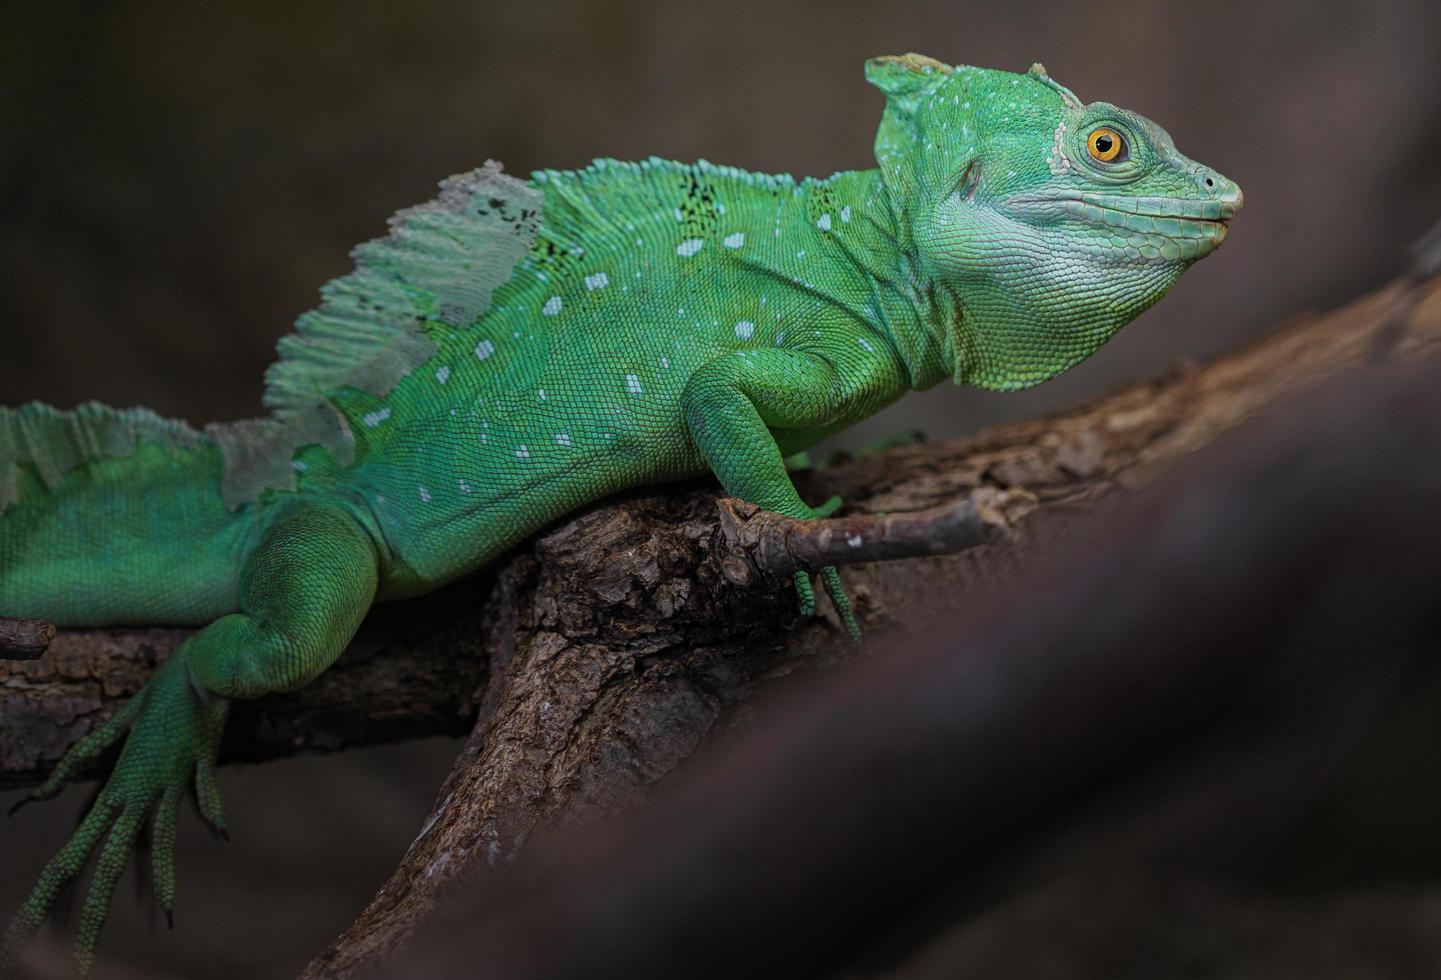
435, 270
53, 442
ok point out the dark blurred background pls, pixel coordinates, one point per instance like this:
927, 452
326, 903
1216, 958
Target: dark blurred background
177, 180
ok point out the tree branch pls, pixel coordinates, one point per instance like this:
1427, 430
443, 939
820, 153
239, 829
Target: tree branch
1171, 687
626, 647
598, 658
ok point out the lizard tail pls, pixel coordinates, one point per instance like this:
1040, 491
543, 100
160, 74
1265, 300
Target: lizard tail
113, 516
52, 442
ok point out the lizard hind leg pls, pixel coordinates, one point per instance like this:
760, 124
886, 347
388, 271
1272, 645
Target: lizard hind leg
304, 589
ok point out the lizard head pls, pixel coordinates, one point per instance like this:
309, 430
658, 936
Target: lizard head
1041, 224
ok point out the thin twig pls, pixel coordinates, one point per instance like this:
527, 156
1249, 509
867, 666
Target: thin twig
757, 540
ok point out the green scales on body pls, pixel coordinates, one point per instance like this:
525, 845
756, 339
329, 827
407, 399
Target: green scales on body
514, 350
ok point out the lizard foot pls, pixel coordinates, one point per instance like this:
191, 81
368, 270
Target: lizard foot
171, 731
831, 578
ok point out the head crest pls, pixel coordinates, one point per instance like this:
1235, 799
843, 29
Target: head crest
908, 81
906, 78
1038, 72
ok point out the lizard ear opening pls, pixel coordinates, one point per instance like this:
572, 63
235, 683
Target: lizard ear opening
906, 79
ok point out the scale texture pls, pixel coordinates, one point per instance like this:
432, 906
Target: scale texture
514, 349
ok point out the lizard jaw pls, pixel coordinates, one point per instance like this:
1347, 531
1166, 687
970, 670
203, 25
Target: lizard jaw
1165, 228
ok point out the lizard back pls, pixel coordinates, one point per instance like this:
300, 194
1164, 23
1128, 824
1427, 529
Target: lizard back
569, 386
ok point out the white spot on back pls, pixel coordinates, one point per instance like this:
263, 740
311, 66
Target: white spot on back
846, 213
484, 349
464, 487
442, 374
372, 419
552, 306
689, 247
562, 438
424, 494
735, 239
866, 344
745, 329
522, 452
597, 281
824, 222
632, 384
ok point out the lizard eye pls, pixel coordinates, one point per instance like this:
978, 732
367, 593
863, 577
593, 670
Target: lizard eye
1106, 145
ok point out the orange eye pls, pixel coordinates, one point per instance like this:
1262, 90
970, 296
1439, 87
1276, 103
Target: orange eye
1106, 145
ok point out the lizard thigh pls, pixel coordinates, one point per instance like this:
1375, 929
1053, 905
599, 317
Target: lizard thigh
304, 589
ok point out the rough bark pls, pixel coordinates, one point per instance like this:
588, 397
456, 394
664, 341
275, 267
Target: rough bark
398, 679
625, 638
24, 639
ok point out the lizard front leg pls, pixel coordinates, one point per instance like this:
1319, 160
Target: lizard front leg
732, 407
303, 591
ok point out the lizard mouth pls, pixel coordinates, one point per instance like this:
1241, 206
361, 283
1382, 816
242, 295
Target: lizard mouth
1176, 219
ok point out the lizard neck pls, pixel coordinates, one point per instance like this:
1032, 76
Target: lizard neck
921, 320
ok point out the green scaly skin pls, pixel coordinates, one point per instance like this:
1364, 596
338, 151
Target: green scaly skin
668, 320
